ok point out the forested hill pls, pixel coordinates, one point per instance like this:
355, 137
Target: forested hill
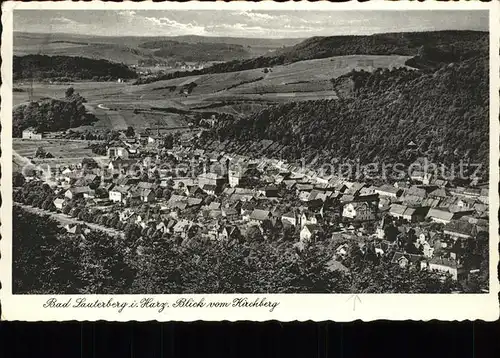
68, 68
461, 43
197, 52
447, 46
445, 113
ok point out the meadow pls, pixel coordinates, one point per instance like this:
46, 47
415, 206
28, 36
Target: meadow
119, 105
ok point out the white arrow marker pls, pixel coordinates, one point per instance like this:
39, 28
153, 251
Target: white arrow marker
354, 298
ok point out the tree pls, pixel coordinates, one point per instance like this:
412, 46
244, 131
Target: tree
69, 92
130, 132
89, 163
40, 152
18, 179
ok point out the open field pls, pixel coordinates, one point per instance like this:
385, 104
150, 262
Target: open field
311, 76
152, 105
65, 152
128, 49
57, 147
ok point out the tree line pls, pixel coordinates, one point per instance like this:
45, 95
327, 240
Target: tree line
429, 48
50, 115
64, 68
445, 113
100, 264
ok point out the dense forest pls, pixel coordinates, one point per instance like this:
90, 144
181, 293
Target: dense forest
95, 263
66, 68
429, 48
462, 44
195, 52
51, 115
445, 113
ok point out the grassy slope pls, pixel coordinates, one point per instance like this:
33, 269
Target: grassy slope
126, 49
303, 80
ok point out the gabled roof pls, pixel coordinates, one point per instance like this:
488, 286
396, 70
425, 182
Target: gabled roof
397, 209
80, 189
388, 189
444, 262
209, 187
121, 189
313, 228
439, 214
261, 215
289, 214
439, 192
460, 227
214, 205
193, 201
410, 257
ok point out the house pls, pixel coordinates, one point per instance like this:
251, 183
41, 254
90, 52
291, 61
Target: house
118, 152
310, 231
89, 194
211, 179
59, 203
192, 190
472, 193
77, 192
460, 229
440, 215
192, 202
355, 189
258, 216
415, 214
268, 191
214, 205
447, 266
360, 211
388, 191
484, 196
209, 189
439, 193
121, 165
118, 193
238, 177
420, 176
334, 265
230, 213
307, 218
181, 227
289, 218
230, 232
147, 195
152, 140
73, 229
407, 260
32, 133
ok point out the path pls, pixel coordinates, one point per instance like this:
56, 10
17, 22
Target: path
65, 219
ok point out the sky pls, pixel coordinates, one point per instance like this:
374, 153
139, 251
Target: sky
237, 23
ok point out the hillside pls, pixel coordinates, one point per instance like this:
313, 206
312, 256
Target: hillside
62, 68
51, 114
445, 113
464, 43
130, 50
190, 52
449, 45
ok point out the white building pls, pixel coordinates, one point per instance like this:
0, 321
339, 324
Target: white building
32, 133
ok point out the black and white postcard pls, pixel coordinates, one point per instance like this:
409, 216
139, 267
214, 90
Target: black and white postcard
249, 161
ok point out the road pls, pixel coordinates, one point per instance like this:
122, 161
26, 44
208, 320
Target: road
65, 219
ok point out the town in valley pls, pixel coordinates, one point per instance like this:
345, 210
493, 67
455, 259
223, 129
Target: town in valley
248, 169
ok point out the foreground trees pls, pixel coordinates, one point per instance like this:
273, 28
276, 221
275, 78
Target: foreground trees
100, 264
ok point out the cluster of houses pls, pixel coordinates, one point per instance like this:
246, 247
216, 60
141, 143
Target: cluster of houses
242, 197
